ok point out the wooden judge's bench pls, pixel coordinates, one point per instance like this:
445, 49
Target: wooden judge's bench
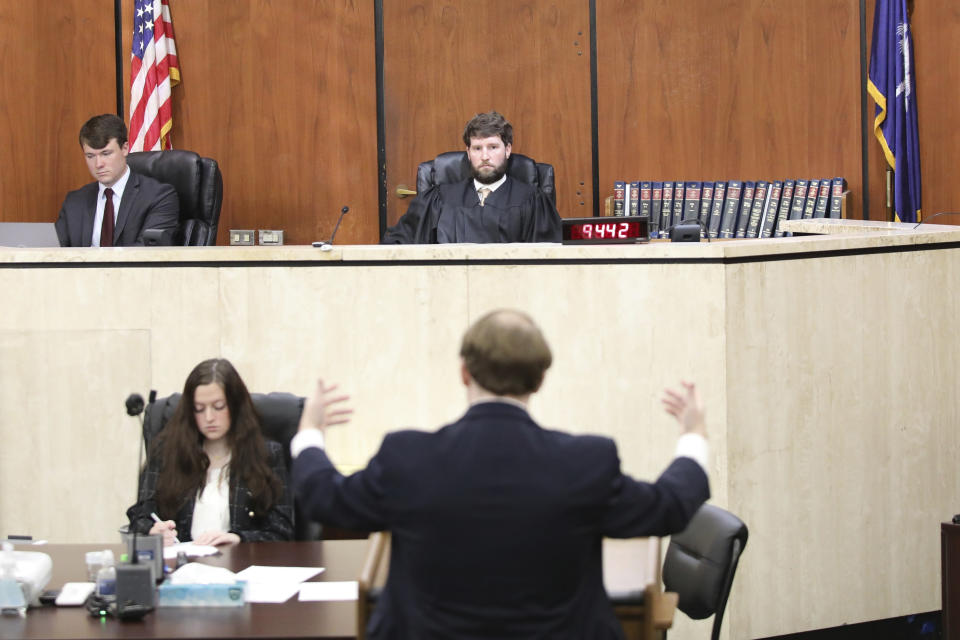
827, 363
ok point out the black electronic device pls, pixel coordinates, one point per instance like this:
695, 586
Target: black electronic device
617, 230
158, 237
686, 231
328, 245
136, 593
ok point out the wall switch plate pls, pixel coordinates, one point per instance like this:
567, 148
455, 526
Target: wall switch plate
270, 236
241, 237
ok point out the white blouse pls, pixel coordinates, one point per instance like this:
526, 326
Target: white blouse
211, 511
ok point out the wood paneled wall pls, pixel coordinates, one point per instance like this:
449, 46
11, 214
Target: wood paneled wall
58, 71
445, 60
283, 95
746, 89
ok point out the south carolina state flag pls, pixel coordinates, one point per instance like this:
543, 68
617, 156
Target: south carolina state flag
892, 87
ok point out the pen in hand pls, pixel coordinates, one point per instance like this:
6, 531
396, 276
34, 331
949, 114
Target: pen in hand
157, 519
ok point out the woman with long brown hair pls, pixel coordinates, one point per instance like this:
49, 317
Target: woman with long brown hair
211, 477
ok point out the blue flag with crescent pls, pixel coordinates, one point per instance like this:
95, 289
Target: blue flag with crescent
892, 87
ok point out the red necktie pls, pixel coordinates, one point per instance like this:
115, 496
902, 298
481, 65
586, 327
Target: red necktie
106, 229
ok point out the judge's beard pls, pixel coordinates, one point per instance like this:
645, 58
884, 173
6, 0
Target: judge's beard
490, 175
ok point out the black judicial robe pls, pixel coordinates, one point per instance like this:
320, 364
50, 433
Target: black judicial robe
515, 212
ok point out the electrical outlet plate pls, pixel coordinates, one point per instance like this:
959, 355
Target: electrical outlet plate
270, 237
241, 237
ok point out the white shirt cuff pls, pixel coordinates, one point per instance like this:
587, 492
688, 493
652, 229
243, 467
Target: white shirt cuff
693, 445
305, 439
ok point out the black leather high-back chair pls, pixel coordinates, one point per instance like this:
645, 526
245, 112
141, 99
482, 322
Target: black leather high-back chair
279, 419
199, 187
701, 562
453, 166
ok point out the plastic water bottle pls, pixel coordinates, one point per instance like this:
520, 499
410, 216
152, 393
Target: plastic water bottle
12, 599
107, 578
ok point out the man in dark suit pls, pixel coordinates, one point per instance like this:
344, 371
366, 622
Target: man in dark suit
496, 522
491, 206
116, 209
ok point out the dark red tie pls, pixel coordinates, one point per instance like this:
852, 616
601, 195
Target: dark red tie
106, 229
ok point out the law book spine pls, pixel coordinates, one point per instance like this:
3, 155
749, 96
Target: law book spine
646, 190
811, 204
745, 208
836, 197
656, 202
678, 192
799, 199
771, 212
634, 199
619, 191
716, 209
756, 213
666, 209
731, 205
823, 199
785, 202
691, 201
706, 201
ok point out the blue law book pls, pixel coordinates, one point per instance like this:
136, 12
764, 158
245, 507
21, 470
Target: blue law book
646, 191
656, 199
716, 209
745, 207
691, 200
756, 213
771, 211
823, 199
731, 205
799, 199
785, 203
837, 188
706, 201
813, 190
634, 199
677, 203
666, 209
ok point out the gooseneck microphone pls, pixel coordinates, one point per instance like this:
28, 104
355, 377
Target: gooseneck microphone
328, 245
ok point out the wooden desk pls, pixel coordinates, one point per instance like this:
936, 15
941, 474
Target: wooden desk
292, 619
627, 571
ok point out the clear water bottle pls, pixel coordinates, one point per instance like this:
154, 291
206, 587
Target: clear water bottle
107, 578
12, 599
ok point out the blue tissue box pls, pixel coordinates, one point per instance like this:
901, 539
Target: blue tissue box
201, 595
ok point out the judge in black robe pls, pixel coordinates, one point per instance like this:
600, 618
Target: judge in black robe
515, 212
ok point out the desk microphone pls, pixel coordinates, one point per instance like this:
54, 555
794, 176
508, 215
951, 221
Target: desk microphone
327, 246
936, 215
135, 592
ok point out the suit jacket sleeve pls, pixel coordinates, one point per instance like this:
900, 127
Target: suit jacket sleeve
660, 508
139, 514
277, 524
326, 496
163, 211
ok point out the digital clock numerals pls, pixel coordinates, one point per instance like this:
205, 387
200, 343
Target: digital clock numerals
605, 231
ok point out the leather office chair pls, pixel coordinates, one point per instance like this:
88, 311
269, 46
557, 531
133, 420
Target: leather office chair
453, 166
199, 187
701, 562
279, 419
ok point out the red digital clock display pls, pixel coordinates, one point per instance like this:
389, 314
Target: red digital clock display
605, 230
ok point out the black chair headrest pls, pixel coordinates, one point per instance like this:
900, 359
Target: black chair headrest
453, 166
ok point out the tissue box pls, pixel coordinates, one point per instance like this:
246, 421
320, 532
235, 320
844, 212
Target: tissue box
201, 595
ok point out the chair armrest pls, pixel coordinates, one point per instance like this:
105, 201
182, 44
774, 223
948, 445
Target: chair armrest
663, 605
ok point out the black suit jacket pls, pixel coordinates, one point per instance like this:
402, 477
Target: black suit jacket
497, 524
275, 524
146, 204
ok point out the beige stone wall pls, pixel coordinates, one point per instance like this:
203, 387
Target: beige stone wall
828, 379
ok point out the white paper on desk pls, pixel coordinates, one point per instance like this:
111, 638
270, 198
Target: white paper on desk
192, 550
325, 591
270, 592
199, 573
278, 575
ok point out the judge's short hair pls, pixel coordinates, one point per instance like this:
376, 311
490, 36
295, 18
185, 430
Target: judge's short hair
505, 353
487, 125
98, 131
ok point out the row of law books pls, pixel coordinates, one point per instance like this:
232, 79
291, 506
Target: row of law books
728, 209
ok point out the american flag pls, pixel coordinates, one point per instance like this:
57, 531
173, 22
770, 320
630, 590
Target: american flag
153, 71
